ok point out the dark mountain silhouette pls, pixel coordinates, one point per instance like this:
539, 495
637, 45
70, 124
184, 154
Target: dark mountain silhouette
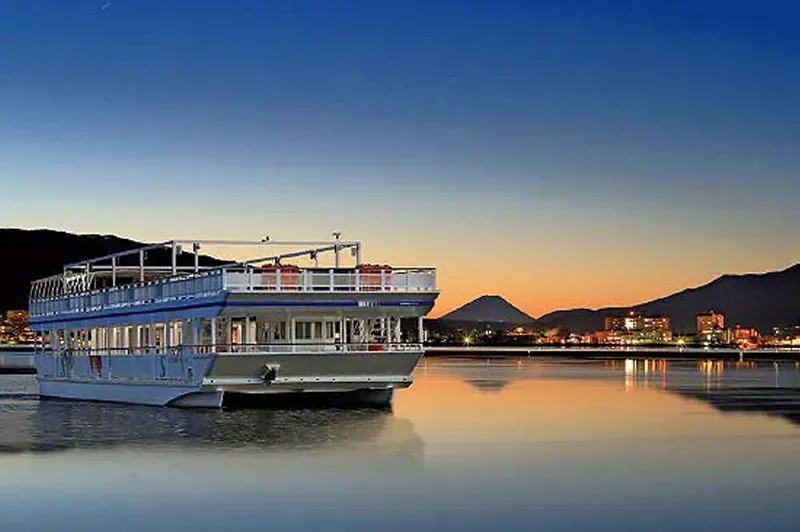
26, 255
759, 301
488, 309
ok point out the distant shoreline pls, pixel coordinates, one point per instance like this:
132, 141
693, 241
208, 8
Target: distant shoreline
20, 361
698, 353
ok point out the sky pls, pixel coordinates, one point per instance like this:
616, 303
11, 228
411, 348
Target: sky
560, 154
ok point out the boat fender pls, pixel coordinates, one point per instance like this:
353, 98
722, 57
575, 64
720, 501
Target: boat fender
268, 374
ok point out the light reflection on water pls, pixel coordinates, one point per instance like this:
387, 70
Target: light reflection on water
513, 443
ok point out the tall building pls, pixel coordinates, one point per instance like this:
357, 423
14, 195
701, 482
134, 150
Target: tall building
711, 328
634, 328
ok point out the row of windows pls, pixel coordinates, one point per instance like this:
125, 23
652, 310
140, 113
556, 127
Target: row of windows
304, 330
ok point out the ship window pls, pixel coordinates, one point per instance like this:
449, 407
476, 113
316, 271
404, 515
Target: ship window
308, 330
333, 330
280, 330
303, 331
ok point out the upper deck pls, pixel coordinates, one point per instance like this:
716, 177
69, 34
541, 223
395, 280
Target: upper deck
111, 285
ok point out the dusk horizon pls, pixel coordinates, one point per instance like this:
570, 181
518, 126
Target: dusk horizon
511, 297
570, 155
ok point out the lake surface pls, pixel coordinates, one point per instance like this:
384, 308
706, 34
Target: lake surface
475, 444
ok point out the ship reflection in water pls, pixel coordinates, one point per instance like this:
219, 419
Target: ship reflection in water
496, 443
55, 425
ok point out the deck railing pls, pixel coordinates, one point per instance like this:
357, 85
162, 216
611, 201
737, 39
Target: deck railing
171, 289
47, 299
241, 349
315, 280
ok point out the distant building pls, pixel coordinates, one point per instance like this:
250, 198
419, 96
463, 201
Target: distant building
521, 335
746, 338
19, 316
711, 328
14, 328
519, 331
784, 336
634, 328
589, 339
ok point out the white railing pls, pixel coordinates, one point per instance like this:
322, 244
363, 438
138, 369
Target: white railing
387, 280
213, 282
172, 289
240, 349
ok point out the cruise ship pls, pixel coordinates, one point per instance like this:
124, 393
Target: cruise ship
128, 328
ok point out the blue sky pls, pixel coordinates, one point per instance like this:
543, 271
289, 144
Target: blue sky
660, 135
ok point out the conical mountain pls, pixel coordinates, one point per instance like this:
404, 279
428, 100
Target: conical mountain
488, 309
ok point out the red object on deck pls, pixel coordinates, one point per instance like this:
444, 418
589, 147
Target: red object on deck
96, 363
371, 276
289, 276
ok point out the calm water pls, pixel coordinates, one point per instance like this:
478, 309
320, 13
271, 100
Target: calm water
503, 444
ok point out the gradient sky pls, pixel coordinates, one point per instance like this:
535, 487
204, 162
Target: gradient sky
572, 153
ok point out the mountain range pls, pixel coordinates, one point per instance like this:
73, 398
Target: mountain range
759, 301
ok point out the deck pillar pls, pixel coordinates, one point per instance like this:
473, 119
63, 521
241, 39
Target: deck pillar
185, 324
135, 342
292, 336
152, 338
214, 335
397, 330
195, 328
167, 336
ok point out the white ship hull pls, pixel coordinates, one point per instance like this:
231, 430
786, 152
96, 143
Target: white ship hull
203, 380
113, 391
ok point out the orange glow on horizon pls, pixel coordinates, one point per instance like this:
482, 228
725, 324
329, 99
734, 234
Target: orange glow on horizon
538, 289
537, 279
